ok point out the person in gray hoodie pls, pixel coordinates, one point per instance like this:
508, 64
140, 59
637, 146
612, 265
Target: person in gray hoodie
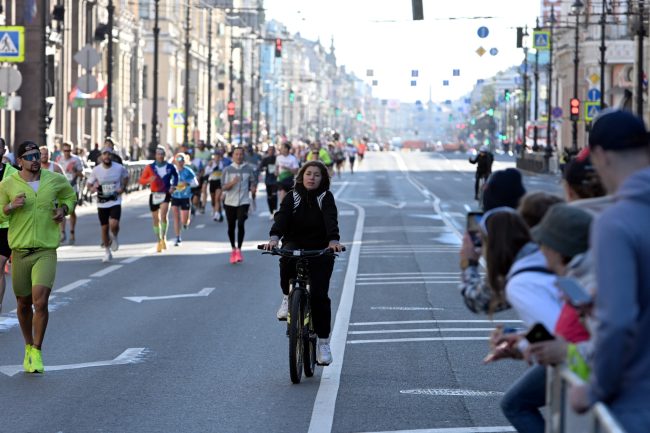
620, 152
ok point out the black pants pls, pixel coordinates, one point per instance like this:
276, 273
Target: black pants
236, 215
272, 196
320, 272
477, 180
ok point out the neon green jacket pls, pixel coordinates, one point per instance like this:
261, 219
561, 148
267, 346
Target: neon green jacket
8, 171
32, 226
323, 156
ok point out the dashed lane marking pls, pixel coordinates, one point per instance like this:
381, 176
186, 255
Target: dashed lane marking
106, 271
407, 331
451, 392
69, 287
406, 322
405, 283
407, 308
131, 260
200, 226
416, 340
496, 429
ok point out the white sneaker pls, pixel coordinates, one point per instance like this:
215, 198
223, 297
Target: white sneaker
283, 311
323, 352
107, 256
215, 216
271, 216
114, 243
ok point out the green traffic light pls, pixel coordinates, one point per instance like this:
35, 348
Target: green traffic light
490, 112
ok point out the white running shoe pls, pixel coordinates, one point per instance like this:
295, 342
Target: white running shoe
114, 243
283, 311
107, 256
323, 352
215, 216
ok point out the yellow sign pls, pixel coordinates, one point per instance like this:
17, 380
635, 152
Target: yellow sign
480, 51
541, 40
12, 44
594, 78
176, 118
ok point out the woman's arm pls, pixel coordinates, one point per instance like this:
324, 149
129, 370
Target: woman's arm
330, 216
282, 218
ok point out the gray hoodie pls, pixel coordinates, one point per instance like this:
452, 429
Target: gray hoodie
621, 241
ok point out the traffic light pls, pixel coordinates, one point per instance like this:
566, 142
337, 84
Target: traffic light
359, 116
292, 96
231, 110
490, 112
278, 47
506, 95
575, 109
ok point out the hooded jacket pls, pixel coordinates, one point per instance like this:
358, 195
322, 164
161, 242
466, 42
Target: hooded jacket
621, 242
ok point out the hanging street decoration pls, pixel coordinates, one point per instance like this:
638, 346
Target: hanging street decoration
456, 72
480, 51
414, 73
494, 51
445, 82
414, 83
483, 32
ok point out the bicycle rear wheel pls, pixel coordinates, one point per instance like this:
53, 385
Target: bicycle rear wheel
308, 343
295, 323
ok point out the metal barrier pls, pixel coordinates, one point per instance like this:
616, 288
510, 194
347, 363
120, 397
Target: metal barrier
562, 419
135, 168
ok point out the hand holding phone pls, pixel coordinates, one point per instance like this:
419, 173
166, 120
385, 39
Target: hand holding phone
538, 333
576, 295
473, 228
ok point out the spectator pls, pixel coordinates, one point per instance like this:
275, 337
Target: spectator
483, 161
534, 205
94, 154
582, 185
621, 155
503, 188
110, 143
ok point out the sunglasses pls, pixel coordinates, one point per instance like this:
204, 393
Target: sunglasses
32, 157
488, 214
180, 159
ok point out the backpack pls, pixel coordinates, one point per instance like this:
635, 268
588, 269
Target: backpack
540, 269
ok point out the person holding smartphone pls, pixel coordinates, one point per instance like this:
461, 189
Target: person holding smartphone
33, 238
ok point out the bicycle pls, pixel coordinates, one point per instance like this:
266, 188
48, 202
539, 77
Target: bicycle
300, 328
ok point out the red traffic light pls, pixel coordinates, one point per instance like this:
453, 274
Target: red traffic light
278, 47
575, 106
231, 108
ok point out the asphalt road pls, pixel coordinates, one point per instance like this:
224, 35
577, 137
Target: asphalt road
183, 341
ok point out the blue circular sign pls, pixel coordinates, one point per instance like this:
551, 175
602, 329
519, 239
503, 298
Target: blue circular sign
556, 112
483, 32
494, 51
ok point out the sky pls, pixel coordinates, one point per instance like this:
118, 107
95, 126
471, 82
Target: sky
381, 35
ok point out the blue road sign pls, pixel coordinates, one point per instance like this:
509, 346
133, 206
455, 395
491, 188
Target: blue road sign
494, 51
593, 94
541, 39
445, 82
456, 72
12, 44
557, 112
483, 32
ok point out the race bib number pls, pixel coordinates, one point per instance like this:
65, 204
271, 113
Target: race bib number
215, 175
158, 197
271, 169
108, 189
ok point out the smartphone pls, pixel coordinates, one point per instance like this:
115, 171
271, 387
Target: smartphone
473, 228
538, 333
577, 295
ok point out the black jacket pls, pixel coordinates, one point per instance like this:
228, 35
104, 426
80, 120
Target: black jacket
484, 161
303, 223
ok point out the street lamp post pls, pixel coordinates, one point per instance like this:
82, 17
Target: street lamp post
241, 97
188, 46
43, 124
639, 61
524, 111
549, 105
536, 103
209, 135
576, 7
603, 49
109, 85
154, 105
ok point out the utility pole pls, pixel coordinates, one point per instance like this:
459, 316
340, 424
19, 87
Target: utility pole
536, 104
252, 92
549, 105
639, 60
576, 63
523, 120
231, 89
188, 46
209, 136
603, 49
109, 85
154, 105
44, 110
241, 97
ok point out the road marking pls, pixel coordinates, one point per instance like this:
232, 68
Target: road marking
131, 260
322, 416
106, 271
408, 308
200, 226
404, 283
468, 208
405, 277
202, 293
411, 229
346, 213
414, 340
72, 286
406, 331
133, 355
404, 273
452, 392
497, 429
405, 322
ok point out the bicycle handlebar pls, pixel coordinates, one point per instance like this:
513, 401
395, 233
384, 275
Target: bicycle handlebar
275, 251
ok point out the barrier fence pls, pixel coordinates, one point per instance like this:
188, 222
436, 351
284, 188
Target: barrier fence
562, 419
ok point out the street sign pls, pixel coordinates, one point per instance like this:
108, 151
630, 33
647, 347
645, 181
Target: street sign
87, 84
10, 79
87, 57
12, 44
414, 83
591, 110
541, 39
594, 78
414, 73
557, 112
177, 118
456, 72
445, 82
480, 51
593, 94
494, 51
483, 32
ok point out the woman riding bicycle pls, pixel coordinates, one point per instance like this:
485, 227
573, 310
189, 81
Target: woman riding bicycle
308, 220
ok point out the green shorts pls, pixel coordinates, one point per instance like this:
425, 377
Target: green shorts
31, 268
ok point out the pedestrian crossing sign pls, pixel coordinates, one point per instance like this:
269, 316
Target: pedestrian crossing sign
12, 44
591, 110
177, 118
542, 40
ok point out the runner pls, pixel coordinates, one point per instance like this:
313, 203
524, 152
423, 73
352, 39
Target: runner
6, 170
205, 156
270, 180
254, 159
46, 164
162, 178
109, 180
34, 238
351, 152
286, 167
361, 149
73, 170
238, 183
182, 195
213, 173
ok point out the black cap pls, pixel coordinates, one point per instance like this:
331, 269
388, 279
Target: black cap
618, 130
503, 188
25, 147
565, 229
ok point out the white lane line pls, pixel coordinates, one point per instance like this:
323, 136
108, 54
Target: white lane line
406, 331
408, 308
496, 429
202, 293
129, 356
131, 260
200, 226
405, 277
379, 274
451, 392
72, 286
106, 271
406, 322
468, 208
322, 416
405, 283
416, 340
346, 213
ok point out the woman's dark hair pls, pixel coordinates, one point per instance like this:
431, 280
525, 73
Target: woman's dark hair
507, 233
581, 177
325, 177
533, 206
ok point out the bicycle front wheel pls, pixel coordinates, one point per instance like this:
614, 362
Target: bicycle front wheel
308, 343
295, 324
